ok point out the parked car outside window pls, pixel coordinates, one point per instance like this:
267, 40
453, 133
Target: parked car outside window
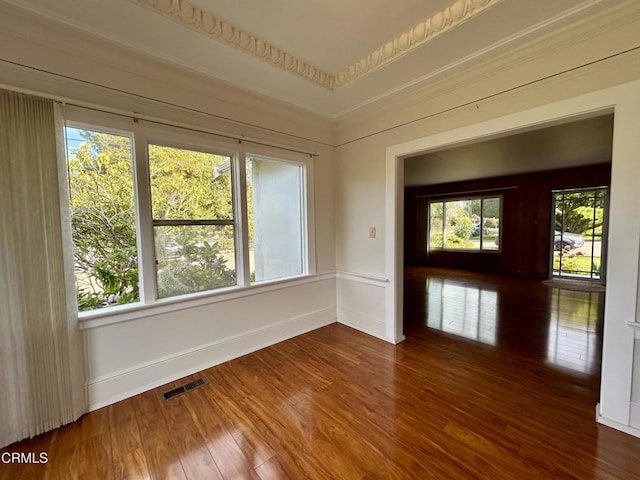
562, 240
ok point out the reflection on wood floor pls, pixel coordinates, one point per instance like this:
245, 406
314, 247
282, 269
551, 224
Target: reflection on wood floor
557, 327
496, 403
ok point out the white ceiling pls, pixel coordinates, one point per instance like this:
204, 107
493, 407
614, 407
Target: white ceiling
331, 56
330, 34
582, 142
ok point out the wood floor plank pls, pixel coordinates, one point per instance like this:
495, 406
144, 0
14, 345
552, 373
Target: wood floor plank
294, 386
95, 424
272, 469
314, 378
226, 453
132, 466
252, 436
97, 460
197, 462
125, 434
65, 460
342, 431
161, 455
291, 428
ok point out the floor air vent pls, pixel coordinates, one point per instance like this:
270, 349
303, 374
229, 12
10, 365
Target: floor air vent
184, 388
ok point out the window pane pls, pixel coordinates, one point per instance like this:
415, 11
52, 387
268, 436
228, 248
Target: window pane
189, 185
102, 218
596, 240
274, 208
459, 226
490, 223
194, 258
435, 224
474, 208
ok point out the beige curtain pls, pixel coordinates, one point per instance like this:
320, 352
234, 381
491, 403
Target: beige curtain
41, 376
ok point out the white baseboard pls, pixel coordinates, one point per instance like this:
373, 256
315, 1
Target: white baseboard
634, 415
140, 378
368, 323
364, 323
368, 332
373, 333
618, 426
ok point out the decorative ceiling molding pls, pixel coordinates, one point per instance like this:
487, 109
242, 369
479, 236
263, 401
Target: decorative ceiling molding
452, 16
206, 23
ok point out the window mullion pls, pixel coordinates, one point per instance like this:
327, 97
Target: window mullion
243, 268
481, 223
176, 223
146, 246
444, 225
308, 221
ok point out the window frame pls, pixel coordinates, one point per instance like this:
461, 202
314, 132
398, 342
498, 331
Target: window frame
457, 198
304, 210
181, 144
145, 133
118, 130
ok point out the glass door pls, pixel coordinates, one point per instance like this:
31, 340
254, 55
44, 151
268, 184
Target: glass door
578, 234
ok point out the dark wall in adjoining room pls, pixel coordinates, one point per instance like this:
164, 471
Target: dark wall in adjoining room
525, 223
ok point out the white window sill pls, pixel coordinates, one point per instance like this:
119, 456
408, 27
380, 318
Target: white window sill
125, 313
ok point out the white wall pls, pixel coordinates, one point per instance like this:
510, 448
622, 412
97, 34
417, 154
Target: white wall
573, 73
128, 353
634, 420
360, 303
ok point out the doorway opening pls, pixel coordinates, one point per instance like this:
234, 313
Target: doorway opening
578, 234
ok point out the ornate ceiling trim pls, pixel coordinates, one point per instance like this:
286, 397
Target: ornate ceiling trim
443, 21
206, 23
203, 22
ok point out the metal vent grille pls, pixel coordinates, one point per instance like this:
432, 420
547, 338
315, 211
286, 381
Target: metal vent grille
200, 382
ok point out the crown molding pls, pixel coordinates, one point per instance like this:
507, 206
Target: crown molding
204, 22
450, 17
201, 21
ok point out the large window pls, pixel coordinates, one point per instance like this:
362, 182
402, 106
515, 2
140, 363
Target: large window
153, 219
471, 224
100, 170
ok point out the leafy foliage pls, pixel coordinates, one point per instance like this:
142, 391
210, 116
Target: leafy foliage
579, 209
183, 186
462, 227
102, 220
460, 215
189, 185
491, 222
579, 265
197, 267
453, 241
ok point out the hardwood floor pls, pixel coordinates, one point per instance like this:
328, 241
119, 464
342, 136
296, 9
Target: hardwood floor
498, 379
